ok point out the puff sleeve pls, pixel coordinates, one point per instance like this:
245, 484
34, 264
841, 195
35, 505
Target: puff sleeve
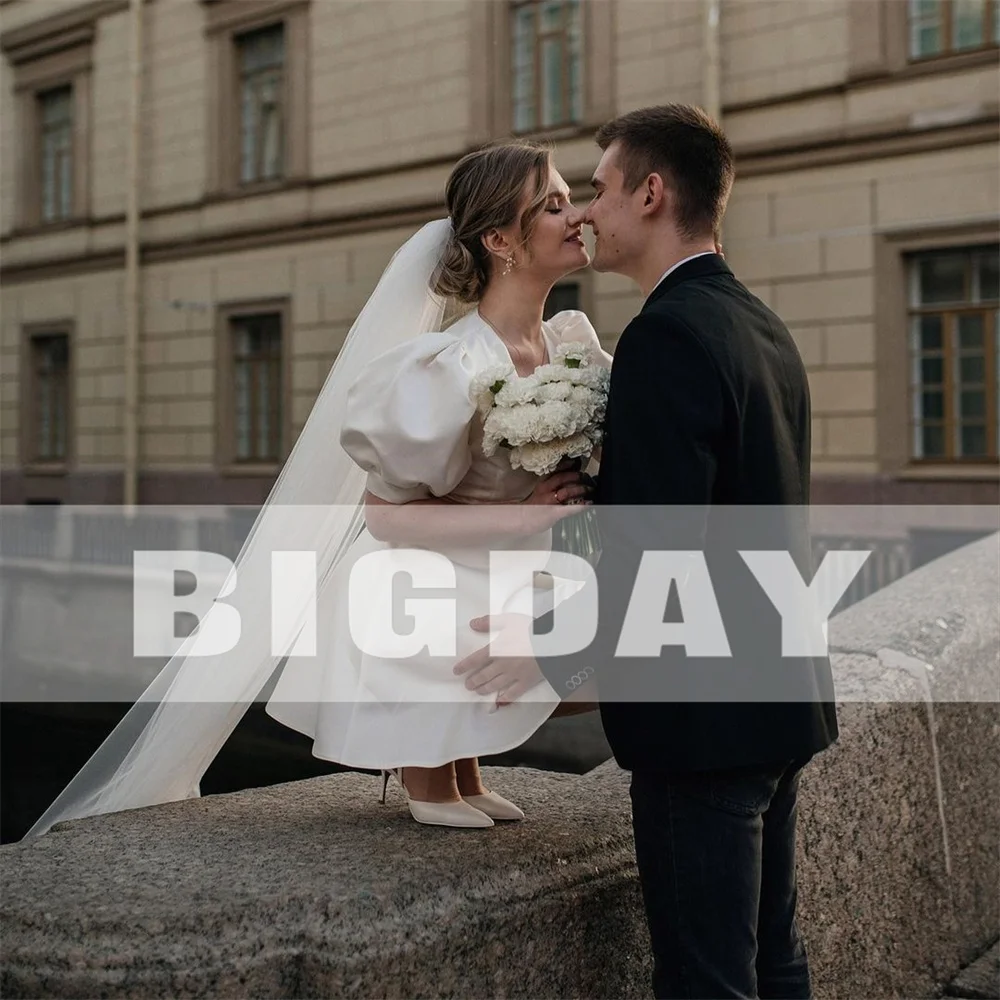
408, 418
571, 325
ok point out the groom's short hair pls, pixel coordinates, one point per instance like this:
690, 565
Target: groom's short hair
688, 149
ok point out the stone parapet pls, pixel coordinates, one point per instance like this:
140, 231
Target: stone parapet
313, 889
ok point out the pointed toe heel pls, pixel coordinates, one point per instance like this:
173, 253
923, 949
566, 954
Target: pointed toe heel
459, 814
495, 806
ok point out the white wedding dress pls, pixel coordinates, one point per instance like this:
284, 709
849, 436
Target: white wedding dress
411, 425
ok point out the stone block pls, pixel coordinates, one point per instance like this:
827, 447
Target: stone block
201, 382
825, 209
845, 467
194, 351
844, 252
187, 413
809, 341
747, 217
111, 385
825, 299
320, 341
163, 383
255, 277
850, 437
43, 301
308, 374
842, 390
159, 445
98, 416
850, 343
924, 198
201, 445
314, 275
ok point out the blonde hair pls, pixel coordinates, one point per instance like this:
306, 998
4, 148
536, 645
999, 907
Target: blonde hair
484, 192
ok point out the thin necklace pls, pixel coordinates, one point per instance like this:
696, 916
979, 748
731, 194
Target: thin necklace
518, 359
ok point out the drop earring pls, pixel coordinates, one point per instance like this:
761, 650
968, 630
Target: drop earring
509, 265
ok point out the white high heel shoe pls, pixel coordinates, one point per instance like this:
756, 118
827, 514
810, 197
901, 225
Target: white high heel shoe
495, 806
457, 814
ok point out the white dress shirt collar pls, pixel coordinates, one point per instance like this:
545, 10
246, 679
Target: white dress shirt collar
673, 267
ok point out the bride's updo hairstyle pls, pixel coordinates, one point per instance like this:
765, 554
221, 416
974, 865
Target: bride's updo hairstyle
484, 192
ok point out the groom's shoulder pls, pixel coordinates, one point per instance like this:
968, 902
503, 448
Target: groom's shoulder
679, 316
663, 332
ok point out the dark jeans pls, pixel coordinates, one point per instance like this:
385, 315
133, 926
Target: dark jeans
716, 856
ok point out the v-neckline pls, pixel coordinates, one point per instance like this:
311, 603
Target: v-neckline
546, 339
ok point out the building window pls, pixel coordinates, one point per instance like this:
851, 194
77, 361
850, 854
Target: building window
954, 333
258, 92
261, 59
55, 150
47, 399
546, 70
255, 402
561, 298
942, 27
52, 59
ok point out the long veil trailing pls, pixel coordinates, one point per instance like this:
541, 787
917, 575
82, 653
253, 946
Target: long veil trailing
166, 741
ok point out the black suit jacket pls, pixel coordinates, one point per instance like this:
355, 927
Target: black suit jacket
707, 448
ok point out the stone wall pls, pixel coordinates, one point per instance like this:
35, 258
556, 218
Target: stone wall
312, 889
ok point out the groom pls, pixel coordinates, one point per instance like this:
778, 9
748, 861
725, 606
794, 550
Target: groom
708, 428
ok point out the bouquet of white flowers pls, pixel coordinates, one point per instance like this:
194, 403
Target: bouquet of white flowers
552, 414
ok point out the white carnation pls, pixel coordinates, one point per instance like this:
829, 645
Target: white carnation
543, 457
518, 391
555, 390
572, 351
483, 390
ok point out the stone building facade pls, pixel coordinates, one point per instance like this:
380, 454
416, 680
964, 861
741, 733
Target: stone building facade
287, 147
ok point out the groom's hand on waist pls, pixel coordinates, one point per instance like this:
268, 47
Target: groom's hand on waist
506, 666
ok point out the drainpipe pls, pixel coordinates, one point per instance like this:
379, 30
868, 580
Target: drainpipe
711, 80
711, 97
133, 284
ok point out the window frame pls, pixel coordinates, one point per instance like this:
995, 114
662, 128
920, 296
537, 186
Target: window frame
225, 395
63, 213
31, 460
47, 55
566, 94
225, 22
893, 355
991, 12
243, 79
492, 90
879, 45
950, 352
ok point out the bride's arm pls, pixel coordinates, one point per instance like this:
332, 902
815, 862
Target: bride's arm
438, 521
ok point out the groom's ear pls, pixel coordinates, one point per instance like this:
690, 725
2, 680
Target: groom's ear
653, 194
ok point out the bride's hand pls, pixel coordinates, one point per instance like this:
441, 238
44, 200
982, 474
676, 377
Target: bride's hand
559, 495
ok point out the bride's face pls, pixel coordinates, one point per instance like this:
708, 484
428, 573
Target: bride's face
556, 246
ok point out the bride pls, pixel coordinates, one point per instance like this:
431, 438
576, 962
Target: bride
410, 473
